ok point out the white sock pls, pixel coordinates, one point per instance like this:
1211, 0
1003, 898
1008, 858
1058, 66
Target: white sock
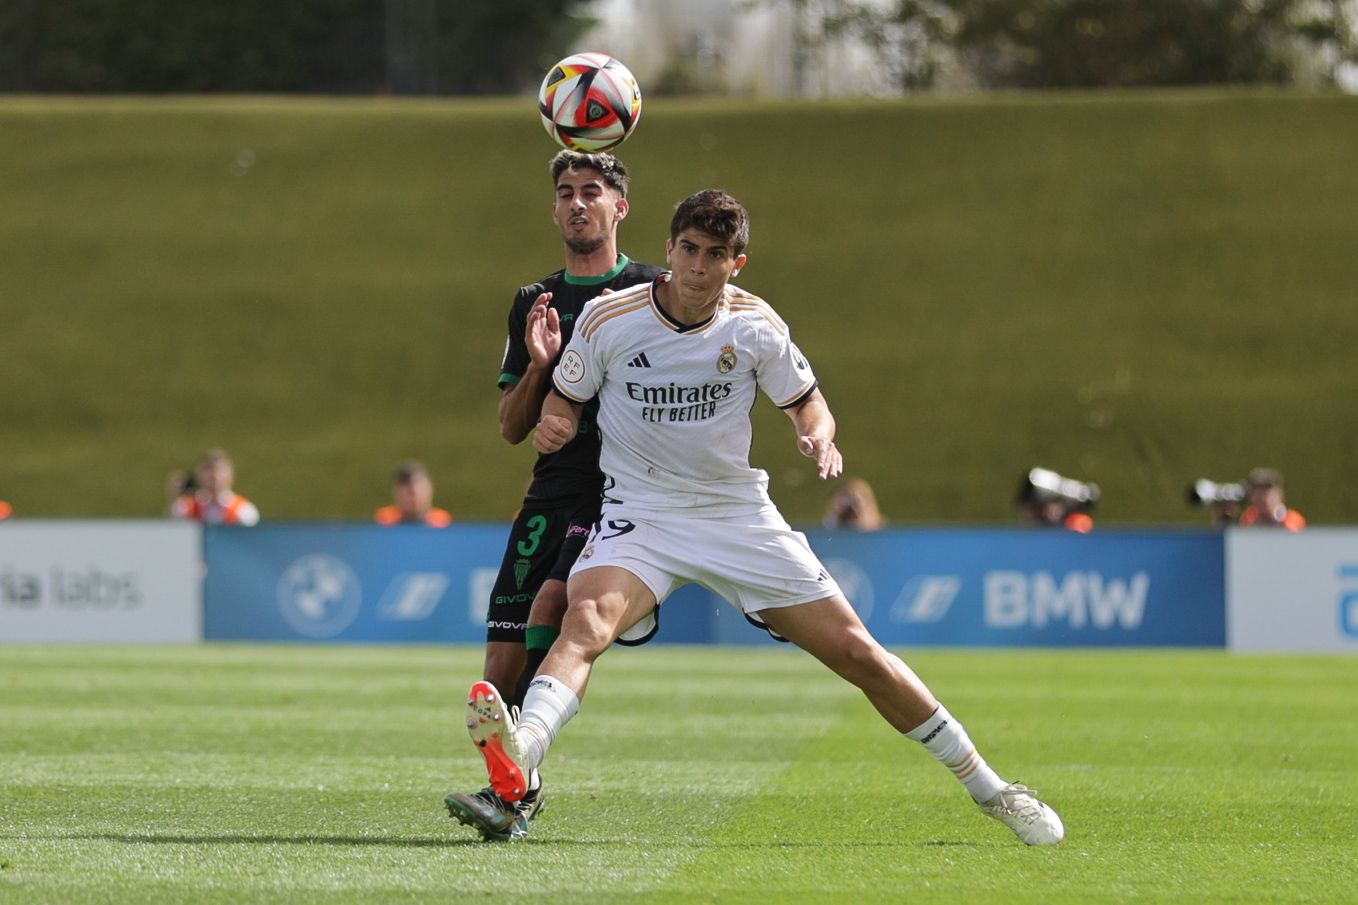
547, 706
944, 738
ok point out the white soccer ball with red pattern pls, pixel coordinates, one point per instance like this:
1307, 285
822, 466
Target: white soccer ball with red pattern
589, 102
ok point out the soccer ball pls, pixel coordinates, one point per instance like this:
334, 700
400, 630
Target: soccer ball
589, 102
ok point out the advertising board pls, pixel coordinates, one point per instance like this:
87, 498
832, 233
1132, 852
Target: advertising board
91, 581
1292, 592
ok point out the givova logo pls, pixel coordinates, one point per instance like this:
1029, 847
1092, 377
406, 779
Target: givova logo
1079, 599
319, 595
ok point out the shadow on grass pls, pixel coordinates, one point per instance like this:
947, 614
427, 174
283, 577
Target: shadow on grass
425, 842
241, 839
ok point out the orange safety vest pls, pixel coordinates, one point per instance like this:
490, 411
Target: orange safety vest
435, 518
1292, 520
1079, 521
189, 506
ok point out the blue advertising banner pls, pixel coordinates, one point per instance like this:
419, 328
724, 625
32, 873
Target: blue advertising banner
349, 582
1013, 587
963, 587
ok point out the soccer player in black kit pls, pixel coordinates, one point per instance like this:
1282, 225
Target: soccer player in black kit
529, 598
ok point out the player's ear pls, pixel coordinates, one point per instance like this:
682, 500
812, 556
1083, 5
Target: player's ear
740, 262
669, 249
621, 207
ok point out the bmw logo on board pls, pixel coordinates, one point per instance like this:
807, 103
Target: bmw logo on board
319, 595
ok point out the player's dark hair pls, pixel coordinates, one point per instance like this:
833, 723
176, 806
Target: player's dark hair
716, 213
608, 166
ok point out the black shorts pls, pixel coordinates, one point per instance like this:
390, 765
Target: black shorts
543, 544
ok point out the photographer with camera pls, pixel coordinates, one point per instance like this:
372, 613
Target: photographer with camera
1262, 492
1048, 500
206, 494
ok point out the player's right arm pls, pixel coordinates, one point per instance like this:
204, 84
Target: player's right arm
522, 401
517, 403
560, 421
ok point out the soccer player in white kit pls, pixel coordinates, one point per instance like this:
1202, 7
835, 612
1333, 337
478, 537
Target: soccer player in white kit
676, 365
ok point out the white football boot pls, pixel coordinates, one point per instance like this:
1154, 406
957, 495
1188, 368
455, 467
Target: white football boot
1017, 807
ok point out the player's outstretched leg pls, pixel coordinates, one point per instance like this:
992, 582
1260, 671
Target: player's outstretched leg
831, 631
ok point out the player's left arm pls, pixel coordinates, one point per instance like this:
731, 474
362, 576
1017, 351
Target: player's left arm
816, 434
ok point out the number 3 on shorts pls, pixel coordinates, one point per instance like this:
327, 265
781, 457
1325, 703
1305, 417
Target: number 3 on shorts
536, 525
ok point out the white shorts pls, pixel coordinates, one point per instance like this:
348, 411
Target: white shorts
753, 560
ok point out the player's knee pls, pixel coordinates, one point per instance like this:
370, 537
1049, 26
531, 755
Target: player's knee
860, 659
586, 627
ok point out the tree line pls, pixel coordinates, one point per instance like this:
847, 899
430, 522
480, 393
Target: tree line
504, 46
311, 46
1037, 44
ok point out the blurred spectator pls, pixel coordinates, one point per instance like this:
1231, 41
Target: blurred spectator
1048, 500
1267, 507
413, 493
6, 510
853, 507
206, 495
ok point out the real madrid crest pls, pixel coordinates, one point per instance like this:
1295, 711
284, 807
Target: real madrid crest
727, 359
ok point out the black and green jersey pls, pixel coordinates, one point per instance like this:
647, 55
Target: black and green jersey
573, 470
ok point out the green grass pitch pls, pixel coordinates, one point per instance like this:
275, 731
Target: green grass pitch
316, 774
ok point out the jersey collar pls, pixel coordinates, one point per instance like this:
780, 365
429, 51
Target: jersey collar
670, 321
574, 280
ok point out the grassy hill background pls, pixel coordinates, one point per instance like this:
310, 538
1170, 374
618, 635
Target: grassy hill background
1133, 289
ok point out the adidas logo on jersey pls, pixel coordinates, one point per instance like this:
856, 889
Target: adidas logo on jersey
641, 361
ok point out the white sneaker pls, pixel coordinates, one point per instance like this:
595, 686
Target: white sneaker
1017, 807
491, 726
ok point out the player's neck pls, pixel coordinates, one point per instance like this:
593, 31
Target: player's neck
595, 264
680, 310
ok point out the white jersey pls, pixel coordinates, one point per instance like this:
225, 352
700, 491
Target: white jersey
675, 400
